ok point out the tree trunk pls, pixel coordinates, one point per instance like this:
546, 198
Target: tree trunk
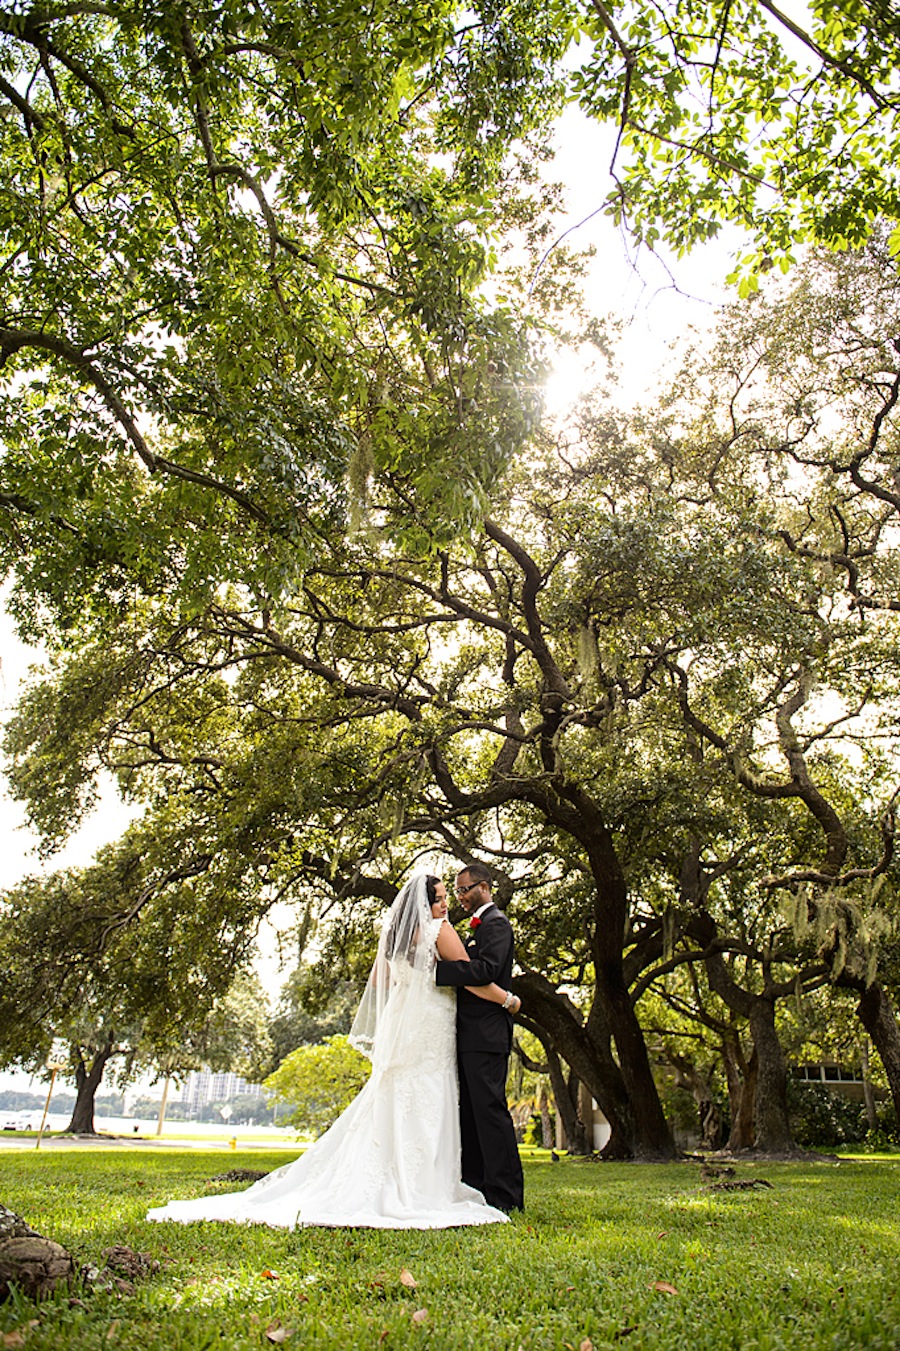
878, 1018
586, 1113
652, 1136
709, 1118
710, 1124
573, 1129
741, 1074
773, 1128
639, 1125
868, 1095
86, 1083
546, 1123
556, 1022
162, 1106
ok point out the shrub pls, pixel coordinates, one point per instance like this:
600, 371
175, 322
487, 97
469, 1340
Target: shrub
822, 1119
319, 1082
886, 1132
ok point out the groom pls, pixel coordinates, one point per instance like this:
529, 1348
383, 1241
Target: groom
490, 1158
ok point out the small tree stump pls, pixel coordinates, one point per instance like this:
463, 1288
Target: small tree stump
130, 1265
35, 1265
123, 1266
13, 1226
239, 1175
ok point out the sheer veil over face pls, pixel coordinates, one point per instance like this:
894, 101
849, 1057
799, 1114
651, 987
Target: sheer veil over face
405, 950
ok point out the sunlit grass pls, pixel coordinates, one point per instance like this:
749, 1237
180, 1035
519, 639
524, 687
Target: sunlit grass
807, 1264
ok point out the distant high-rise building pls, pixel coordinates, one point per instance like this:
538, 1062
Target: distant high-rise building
203, 1086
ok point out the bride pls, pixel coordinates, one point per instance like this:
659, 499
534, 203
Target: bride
392, 1159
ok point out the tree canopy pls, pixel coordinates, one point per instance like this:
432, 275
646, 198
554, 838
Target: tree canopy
738, 112
240, 252
323, 595
650, 690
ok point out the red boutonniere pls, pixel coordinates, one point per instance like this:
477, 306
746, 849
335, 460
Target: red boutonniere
474, 922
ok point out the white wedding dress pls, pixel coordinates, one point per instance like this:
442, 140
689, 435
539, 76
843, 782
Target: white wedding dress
392, 1159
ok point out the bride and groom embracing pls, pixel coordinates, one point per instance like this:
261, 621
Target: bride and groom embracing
428, 1143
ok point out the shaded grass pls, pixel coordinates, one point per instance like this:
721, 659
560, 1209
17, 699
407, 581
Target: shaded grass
808, 1264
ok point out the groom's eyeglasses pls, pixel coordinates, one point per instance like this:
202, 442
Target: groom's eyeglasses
461, 891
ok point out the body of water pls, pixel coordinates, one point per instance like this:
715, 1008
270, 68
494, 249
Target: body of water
142, 1127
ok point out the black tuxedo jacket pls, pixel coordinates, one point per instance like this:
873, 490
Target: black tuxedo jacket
481, 1025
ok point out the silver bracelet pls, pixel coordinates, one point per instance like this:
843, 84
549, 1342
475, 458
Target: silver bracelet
508, 1000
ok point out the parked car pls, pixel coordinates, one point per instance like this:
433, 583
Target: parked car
21, 1121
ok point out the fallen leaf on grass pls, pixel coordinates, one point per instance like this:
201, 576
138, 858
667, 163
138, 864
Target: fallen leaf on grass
408, 1279
664, 1287
267, 1274
586, 1345
420, 1315
626, 1331
112, 1329
384, 1335
664, 1234
17, 1337
277, 1332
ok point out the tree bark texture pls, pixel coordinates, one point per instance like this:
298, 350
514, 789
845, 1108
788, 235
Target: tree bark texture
556, 1022
878, 1018
652, 1134
773, 1129
709, 1118
565, 1095
87, 1081
546, 1123
741, 1074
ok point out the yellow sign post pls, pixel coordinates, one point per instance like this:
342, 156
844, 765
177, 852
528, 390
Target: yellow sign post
54, 1065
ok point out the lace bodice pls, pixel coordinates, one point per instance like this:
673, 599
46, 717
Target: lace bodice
420, 1027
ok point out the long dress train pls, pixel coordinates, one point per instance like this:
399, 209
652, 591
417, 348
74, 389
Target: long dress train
392, 1159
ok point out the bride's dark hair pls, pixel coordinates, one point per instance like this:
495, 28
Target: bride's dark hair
393, 940
431, 884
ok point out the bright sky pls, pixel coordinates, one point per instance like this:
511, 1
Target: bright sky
657, 296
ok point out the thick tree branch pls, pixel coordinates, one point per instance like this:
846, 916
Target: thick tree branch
800, 785
834, 62
13, 340
31, 115
554, 680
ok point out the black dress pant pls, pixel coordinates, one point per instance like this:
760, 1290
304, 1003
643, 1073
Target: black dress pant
490, 1157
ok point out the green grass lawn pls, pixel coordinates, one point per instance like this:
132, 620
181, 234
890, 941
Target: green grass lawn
611, 1255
